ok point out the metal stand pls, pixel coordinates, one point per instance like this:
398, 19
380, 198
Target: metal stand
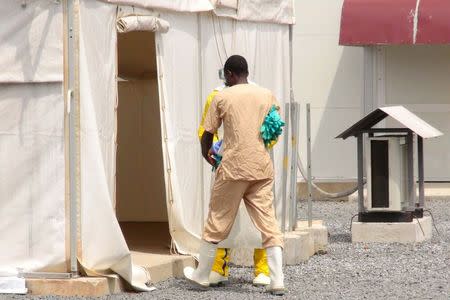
295, 109
360, 149
285, 167
410, 160
308, 154
420, 171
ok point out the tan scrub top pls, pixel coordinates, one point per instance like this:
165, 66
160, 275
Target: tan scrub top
242, 109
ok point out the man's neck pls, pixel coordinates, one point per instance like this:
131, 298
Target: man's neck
242, 80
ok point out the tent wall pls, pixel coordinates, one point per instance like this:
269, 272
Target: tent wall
184, 91
32, 170
32, 209
31, 41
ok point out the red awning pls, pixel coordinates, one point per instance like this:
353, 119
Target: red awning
395, 22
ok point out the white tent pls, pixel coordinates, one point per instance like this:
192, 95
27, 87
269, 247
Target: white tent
40, 61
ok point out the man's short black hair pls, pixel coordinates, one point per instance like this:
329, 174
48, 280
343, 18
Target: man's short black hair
236, 64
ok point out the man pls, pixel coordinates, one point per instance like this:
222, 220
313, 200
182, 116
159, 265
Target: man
245, 172
220, 269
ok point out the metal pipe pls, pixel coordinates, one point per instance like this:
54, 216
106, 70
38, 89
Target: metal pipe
285, 167
360, 149
421, 171
293, 182
274, 190
410, 161
308, 154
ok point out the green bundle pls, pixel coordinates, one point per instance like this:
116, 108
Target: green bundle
271, 128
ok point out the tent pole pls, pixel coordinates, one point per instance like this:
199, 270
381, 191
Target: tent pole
200, 101
73, 145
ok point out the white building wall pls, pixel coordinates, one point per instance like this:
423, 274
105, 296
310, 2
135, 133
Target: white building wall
331, 78
418, 77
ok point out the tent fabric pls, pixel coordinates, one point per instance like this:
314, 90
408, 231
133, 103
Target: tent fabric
225, 3
280, 11
31, 38
183, 101
267, 11
32, 172
141, 23
104, 248
174, 5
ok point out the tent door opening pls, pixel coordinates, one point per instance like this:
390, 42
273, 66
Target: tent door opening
140, 190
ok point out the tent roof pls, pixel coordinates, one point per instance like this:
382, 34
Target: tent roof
384, 22
399, 113
265, 11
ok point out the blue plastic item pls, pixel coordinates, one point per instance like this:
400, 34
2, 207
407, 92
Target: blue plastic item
216, 150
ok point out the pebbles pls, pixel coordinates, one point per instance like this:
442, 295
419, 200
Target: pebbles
347, 271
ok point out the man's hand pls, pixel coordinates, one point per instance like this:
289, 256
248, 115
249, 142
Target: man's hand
210, 158
206, 142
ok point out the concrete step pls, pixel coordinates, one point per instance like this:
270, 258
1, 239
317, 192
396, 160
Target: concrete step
82, 286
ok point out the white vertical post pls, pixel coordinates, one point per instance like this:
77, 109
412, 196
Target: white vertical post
308, 154
73, 144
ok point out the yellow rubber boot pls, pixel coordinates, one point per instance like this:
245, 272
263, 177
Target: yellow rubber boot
220, 268
261, 267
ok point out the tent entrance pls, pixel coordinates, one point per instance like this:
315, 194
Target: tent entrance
140, 190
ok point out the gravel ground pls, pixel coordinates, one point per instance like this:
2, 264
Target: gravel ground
347, 271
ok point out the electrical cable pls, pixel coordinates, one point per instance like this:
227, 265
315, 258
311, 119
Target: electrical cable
420, 225
351, 221
215, 38
221, 36
434, 223
328, 195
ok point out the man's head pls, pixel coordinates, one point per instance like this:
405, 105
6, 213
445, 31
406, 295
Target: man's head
235, 70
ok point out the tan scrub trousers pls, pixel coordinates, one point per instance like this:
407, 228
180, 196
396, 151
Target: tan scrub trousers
224, 205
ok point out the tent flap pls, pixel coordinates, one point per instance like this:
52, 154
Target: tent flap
142, 23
